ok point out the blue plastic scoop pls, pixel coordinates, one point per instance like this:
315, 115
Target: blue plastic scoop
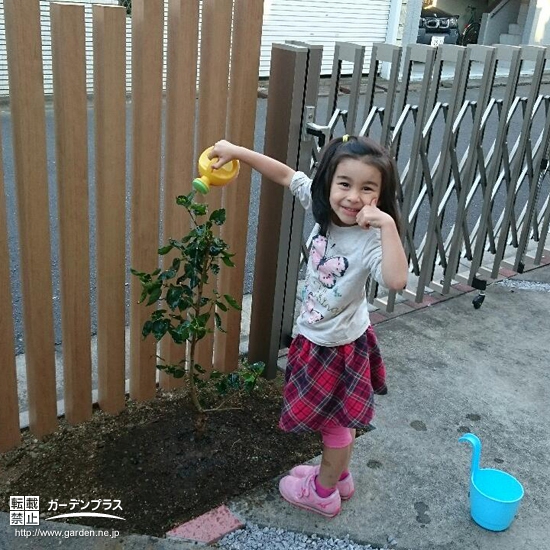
494, 495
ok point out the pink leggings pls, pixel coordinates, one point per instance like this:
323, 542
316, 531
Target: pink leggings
336, 437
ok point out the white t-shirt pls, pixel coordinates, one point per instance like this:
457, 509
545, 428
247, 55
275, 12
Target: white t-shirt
334, 303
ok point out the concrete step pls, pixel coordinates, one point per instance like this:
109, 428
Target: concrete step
514, 28
522, 16
510, 39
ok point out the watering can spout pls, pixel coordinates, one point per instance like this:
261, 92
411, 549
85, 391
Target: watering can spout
476, 444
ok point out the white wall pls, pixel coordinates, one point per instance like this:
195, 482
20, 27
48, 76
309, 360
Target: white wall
498, 23
537, 26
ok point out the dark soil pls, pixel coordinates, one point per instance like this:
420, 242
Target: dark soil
156, 459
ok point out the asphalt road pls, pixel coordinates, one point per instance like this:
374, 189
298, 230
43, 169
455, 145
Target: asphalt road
5, 119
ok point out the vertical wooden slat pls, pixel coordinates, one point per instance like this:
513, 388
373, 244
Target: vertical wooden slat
24, 50
282, 134
214, 74
71, 140
9, 409
243, 97
147, 27
110, 177
183, 36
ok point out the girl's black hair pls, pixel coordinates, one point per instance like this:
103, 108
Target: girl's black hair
360, 148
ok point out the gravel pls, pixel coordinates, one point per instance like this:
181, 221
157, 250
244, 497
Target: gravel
253, 537
519, 284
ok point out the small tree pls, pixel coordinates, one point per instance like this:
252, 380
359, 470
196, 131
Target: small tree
181, 288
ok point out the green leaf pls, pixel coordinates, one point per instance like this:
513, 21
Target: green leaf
184, 304
233, 381
178, 244
226, 259
194, 281
231, 301
147, 328
158, 314
221, 305
176, 336
173, 296
218, 321
180, 333
176, 262
165, 249
258, 367
203, 318
143, 295
136, 273
184, 200
199, 369
218, 216
215, 269
168, 274
160, 328
215, 250
198, 209
156, 272
155, 295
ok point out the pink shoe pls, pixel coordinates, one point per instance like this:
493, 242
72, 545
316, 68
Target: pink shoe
301, 492
345, 487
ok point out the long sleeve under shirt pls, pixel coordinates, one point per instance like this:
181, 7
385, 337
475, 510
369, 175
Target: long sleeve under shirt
334, 303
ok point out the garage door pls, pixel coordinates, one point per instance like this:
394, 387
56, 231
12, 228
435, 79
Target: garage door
320, 22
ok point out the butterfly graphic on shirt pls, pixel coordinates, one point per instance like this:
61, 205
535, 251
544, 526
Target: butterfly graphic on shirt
329, 268
308, 310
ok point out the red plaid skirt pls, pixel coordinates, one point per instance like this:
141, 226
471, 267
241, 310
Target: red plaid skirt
332, 386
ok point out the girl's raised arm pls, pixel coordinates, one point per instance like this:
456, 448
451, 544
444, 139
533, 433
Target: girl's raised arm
270, 168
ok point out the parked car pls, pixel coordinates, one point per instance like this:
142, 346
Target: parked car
438, 27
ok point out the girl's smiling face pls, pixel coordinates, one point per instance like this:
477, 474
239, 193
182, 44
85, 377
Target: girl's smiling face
355, 184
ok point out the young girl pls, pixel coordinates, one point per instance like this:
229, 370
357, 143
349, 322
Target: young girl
334, 363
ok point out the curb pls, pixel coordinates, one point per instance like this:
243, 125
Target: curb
208, 528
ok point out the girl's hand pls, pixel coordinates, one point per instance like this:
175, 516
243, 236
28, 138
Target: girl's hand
225, 152
371, 216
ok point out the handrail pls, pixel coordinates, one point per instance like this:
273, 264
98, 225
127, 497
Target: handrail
497, 8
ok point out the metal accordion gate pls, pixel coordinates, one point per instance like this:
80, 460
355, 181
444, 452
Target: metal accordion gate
470, 130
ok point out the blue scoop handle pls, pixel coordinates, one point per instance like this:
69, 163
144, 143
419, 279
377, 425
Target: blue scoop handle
476, 444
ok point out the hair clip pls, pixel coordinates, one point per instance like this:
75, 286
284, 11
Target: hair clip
345, 138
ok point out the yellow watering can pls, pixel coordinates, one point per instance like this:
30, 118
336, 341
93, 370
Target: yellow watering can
209, 176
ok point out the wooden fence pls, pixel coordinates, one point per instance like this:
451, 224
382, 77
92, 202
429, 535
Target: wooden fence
230, 45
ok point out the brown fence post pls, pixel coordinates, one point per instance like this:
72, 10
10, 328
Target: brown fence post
214, 74
110, 180
147, 28
282, 138
70, 110
181, 92
10, 435
24, 49
243, 97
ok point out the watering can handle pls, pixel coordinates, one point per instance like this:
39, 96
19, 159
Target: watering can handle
470, 438
476, 444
